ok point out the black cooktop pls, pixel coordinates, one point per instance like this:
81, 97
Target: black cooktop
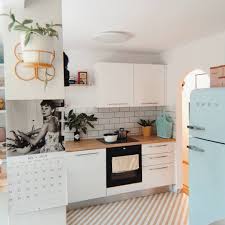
127, 140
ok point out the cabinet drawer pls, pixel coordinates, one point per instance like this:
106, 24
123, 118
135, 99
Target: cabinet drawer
157, 148
156, 159
160, 175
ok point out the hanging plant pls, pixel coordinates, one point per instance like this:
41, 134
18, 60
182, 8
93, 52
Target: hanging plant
37, 45
29, 28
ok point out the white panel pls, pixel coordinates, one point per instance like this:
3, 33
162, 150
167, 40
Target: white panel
86, 175
149, 84
114, 83
54, 216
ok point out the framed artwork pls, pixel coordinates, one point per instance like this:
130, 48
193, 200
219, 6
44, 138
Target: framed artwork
82, 77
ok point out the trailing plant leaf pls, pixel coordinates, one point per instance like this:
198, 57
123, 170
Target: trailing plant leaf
10, 26
27, 21
29, 28
27, 38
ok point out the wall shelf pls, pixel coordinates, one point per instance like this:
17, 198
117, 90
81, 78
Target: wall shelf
2, 88
2, 111
79, 85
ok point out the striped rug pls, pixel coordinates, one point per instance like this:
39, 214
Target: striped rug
158, 209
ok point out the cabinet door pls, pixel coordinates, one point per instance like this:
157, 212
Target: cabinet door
207, 182
114, 83
86, 175
149, 85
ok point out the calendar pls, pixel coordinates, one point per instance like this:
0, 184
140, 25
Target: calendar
36, 182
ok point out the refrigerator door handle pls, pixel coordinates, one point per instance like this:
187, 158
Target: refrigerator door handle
195, 127
195, 148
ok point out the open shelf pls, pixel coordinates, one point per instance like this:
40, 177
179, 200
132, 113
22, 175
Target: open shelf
2, 88
79, 85
2, 111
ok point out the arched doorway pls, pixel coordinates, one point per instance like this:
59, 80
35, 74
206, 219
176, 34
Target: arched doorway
193, 80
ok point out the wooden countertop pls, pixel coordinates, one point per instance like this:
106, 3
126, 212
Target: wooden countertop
88, 144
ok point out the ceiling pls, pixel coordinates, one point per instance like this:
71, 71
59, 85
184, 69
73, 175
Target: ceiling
157, 25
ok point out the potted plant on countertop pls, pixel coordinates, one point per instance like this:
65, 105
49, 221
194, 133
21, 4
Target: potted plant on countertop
79, 122
34, 38
146, 127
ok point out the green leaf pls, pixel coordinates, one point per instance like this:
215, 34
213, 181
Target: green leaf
38, 31
12, 16
27, 38
21, 28
27, 21
10, 26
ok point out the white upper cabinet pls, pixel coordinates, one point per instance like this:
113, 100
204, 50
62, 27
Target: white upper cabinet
114, 82
149, 85
124, 84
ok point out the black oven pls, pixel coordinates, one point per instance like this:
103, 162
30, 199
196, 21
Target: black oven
123, 165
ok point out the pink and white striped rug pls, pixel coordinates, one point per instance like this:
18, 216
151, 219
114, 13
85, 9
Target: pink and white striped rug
158, 209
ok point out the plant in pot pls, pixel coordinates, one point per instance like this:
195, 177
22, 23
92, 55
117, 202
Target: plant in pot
79, 123
35, 38
146, 127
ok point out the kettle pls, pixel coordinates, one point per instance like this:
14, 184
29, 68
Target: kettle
122, 134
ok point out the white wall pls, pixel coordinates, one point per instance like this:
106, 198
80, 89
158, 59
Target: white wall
84, 60
200, 54
42, 11
3, 208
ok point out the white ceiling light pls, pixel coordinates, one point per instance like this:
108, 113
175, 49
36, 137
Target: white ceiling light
113, 37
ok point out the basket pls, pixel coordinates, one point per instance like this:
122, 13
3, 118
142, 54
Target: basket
164, 126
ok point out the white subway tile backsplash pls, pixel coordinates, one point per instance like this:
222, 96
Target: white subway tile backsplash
104, 110
129, 114
114, 109
111, 119
119, 114
109, 115
139, 113
125, 109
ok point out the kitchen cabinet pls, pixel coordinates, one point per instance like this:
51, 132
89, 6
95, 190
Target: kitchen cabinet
158, 165
86, 175
149, 85
114, 82
125, 84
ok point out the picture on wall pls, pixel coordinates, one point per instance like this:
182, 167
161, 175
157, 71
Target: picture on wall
34, 126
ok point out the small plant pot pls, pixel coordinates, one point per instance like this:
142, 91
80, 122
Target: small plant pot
147, 131
38, 50
76, 136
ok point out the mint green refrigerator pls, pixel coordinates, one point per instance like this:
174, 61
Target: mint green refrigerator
207, 156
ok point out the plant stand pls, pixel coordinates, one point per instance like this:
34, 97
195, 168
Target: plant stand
41, 71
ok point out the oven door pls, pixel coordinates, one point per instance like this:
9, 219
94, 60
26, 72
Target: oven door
124, 165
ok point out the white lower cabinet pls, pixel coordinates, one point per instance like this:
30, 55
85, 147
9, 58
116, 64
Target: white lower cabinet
86, 175
158, 165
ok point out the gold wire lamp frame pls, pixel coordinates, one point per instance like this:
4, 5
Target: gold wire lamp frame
48, 68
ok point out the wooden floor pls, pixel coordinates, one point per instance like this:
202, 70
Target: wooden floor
158, 209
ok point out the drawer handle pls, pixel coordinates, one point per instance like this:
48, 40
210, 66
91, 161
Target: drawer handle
160, 168
158, 157
158, 146
149, 103
87, 154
